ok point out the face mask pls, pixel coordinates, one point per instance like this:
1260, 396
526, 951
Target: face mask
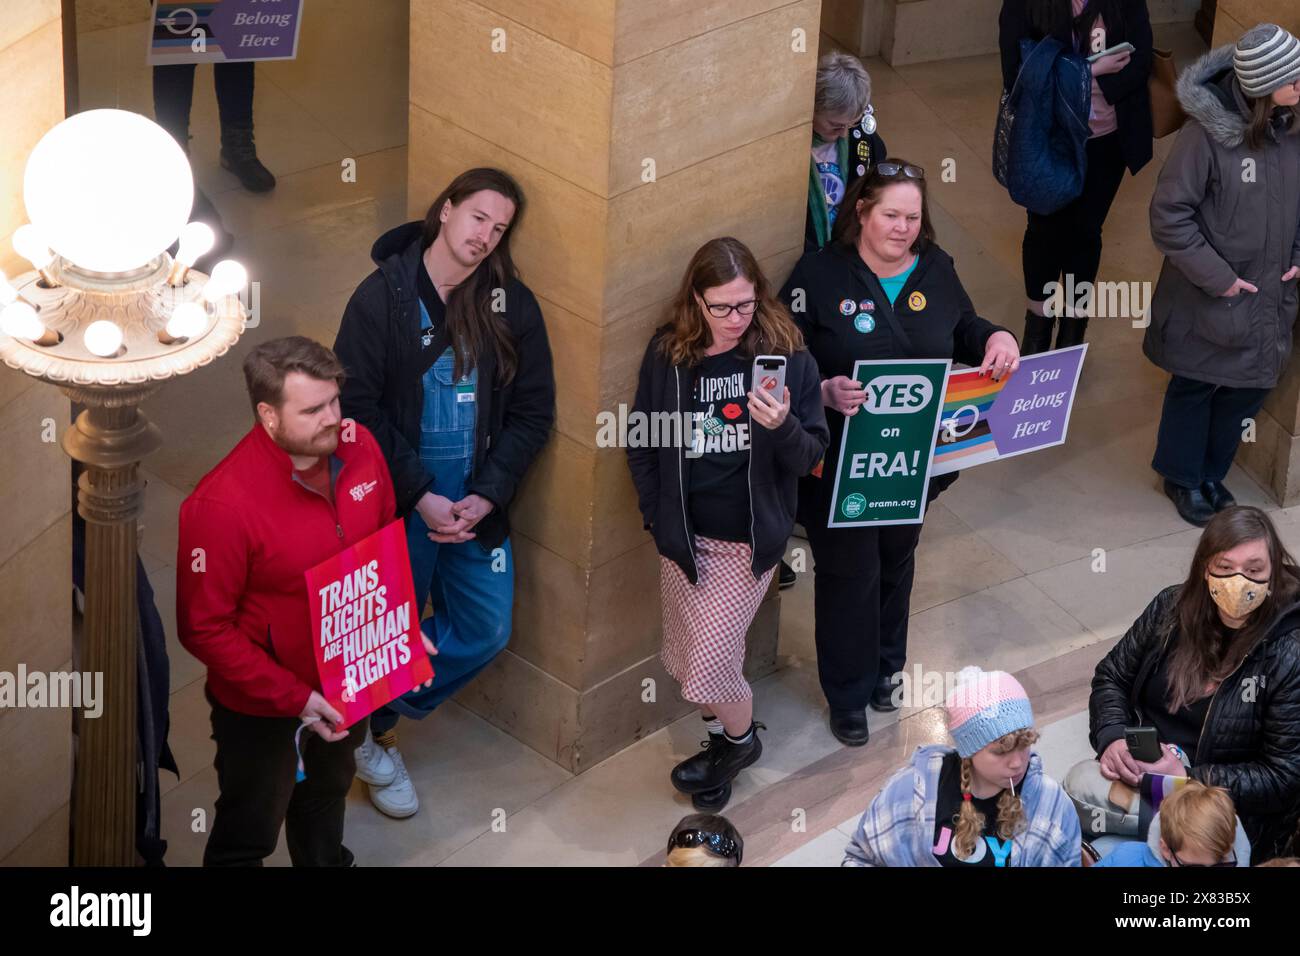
1235, 594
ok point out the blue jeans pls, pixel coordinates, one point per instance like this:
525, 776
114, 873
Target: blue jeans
472, 589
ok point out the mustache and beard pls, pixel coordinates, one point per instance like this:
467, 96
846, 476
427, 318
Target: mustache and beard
323, 442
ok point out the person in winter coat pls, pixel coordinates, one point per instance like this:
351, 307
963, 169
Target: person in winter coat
882, 290
1068, 242
720, 500
288, 496
449, 366
1195, 826
845, 141
1214, 665
1226, 215
985, 803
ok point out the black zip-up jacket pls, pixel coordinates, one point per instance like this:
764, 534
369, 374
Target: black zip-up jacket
1250, 741
941, 323
777, 457
381, 347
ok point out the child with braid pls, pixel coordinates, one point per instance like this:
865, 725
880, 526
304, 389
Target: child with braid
985, 803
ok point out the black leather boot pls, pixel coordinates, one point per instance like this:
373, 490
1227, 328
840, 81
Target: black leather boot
1038, 333
718, 763
850, 727
712, 801
882, 698
1071, 332
1193, 507
1218, 496
239, 155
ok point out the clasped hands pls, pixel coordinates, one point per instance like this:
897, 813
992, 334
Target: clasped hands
450, 522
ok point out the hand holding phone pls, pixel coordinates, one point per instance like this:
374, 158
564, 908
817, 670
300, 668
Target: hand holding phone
1143, 744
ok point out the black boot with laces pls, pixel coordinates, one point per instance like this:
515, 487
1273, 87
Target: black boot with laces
718, 763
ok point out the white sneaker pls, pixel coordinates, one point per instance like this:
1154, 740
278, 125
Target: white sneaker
398, 799
374, 766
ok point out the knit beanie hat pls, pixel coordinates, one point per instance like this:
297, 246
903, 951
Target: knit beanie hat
983, 706
1266, 59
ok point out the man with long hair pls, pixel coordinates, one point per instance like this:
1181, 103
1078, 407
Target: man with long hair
449, 366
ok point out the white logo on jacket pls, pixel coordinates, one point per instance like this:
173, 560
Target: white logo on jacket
360, 491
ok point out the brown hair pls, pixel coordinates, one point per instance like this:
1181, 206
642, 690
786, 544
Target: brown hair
1261, 117
869, 190
1200, 815
1282, 861
471, 322
1199, 656
716, 263
968, 824
267, 365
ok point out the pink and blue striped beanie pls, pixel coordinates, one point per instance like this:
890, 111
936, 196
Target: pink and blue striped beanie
983, 706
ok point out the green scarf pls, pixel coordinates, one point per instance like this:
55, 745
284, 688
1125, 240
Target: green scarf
817, 197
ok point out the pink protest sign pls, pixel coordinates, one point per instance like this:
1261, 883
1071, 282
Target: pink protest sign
366, 625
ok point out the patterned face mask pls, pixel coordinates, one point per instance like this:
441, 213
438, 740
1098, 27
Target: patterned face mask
1235, 594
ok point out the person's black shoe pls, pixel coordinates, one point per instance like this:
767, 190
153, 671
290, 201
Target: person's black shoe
1038, 333
1193, 507
239, 155
850, 727
712, 801
718, 763
1071, 331
787, 576
882, 698
1218, 496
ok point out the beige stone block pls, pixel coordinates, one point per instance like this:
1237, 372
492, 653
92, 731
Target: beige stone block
842, 21
35, 475
12, 384
554, 502
48, 843
559, 246
654, 229
666, 103
1227, 28
646, 26
576, 357
941, 30
617, 525
22, 17
33, 96
37, 748
1283, 402
587, 28
551, 611
623, 613
1247, 13
34, 604
624, 345
536, 94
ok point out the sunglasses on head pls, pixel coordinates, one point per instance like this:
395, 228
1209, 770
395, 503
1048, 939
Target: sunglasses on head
893, 169
722, 845
1232, 862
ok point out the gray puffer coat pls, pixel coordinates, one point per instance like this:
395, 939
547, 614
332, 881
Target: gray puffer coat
1221, 211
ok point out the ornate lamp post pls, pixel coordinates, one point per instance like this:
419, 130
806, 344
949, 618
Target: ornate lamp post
108, 316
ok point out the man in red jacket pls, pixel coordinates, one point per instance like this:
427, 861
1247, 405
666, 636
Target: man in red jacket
302, 485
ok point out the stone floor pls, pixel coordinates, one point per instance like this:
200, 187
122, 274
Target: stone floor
1006, 565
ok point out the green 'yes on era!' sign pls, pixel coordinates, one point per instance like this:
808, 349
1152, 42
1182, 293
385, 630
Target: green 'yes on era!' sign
884, 468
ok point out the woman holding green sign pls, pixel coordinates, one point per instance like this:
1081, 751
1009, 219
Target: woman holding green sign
883, 290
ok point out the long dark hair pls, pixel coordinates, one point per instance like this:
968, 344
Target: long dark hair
1056, 18
472, 323
868, 190
716, 263
1198, 655
1261, 118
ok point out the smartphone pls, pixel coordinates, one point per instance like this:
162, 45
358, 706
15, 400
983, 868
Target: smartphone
1143, 744
769, 374
1117, 48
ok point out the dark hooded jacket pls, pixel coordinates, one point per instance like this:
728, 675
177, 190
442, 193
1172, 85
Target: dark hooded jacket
1250, 741
385, 356
1223, 211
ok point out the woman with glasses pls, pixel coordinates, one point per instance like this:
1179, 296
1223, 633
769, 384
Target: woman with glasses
845, 143
883, 289
1213, 665
718, 491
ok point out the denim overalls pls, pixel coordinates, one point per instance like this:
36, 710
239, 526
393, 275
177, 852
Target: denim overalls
472, 589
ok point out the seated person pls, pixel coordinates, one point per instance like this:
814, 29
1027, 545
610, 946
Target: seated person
985, 803
1196, 826
704, 839
1214, 665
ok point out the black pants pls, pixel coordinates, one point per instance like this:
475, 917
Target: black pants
1068, 242
256, 766
1200, 427
862, 588
173, 96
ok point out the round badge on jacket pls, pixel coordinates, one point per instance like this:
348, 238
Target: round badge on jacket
868, 123
847, 307
864, 323
916, 302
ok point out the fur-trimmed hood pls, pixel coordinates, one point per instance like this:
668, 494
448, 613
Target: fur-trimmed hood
1210, 94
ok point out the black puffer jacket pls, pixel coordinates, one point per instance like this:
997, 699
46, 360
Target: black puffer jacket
1250, 742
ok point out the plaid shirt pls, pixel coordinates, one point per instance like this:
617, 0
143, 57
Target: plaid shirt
898, 828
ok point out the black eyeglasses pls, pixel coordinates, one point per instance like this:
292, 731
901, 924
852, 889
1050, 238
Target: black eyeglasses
893, 169
1232, 862
720, 310
722, 845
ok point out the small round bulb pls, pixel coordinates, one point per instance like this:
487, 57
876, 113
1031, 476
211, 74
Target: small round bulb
188, 320
19, 321
103, 338
196, 239
29, 244
228, 278
7, 292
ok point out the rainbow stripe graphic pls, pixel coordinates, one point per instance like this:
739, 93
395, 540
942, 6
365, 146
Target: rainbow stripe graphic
967, 396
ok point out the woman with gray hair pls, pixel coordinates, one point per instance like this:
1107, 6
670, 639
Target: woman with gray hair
845, 143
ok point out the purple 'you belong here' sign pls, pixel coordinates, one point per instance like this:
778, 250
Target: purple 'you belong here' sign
224, 31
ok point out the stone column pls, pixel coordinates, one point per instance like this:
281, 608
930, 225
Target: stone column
1273, 458
638, 130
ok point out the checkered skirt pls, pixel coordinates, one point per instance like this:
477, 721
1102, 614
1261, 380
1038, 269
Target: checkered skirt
705, 623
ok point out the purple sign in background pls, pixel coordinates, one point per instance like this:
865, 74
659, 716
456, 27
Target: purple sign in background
1033, 410
233, 30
